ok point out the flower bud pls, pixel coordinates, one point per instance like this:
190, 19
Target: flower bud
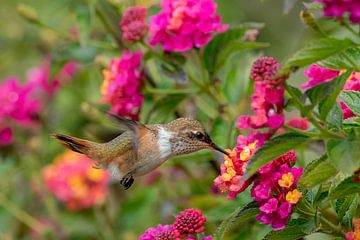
27, 12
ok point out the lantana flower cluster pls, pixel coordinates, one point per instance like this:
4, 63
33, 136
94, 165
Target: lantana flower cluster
121, 85
268, 97
274, 184
275, 189
133, 24
337, 8
21, 103
74, 181
319, 75
187, 225
184, 24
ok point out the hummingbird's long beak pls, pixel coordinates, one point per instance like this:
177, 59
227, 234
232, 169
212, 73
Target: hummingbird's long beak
219, 149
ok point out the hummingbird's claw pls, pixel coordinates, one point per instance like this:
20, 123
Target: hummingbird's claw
127, 181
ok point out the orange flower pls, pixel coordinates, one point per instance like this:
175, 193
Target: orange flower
293, 196
286, 180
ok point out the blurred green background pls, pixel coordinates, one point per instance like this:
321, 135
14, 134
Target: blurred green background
183, 183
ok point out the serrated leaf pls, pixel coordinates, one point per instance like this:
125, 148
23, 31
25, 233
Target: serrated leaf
345, 153
341, 61
295, 229
351, 100
328, 101
272, 149
317, 171
335, 116
316, 51
240, 214
212, 49
344, 207
343, 187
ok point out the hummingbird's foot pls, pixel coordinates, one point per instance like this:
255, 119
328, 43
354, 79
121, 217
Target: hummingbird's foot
127, 181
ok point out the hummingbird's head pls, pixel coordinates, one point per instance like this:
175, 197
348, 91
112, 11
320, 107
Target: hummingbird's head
190, 136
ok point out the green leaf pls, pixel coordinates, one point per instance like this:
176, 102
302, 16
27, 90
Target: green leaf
212, 49
316, 51
240, 214
341, 61
234, 47
345, 153
297, 97
316, 172
207, 106
352, 100
295, 229
83, 54
343, 186
346, 208
221, 132
272, 149
335, 116
329, 100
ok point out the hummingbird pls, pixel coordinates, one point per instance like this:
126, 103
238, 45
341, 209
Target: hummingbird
142, 148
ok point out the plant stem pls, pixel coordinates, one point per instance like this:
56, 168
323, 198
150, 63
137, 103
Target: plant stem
324, 132
20, 214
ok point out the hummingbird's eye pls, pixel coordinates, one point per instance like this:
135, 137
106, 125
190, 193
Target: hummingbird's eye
199, 135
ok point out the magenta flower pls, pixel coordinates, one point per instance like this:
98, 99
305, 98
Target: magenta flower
337, 8
133, 24
268, 97
318, 75
6, 136
189, 221
161, 232
184, 24
121, 85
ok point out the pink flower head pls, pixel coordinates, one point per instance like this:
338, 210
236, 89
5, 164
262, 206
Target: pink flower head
268, 97
161, 232
264, 69
6, 136
337, 8
319, 75
121, 85
189, 221
133, 24
18, 102
74, 181
275, 190
184, 24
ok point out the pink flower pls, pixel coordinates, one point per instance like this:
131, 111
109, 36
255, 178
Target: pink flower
275, 190
337, 8
74, 181
189, 221
121, 85
318, 75
353, 83
6, 136
133, 24
184, 24
161, 232
268, 97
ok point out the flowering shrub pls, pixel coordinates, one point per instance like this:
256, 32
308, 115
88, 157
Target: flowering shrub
290, 124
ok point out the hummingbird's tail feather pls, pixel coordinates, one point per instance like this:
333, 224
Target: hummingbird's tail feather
73, 143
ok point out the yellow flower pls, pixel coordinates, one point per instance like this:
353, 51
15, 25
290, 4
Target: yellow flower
286, 180
248, 151
95, 175
293, 196
77, 185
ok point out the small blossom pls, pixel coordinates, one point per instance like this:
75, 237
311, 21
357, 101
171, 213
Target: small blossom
270, 206
189, 221
184, 24
133, 24
337, 9
286, 180
121, 85
264, 69
293, 196
161, 232
74, 181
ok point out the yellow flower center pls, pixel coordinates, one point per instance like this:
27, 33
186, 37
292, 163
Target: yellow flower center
286, 180
293, 196
177, 15
77, 185
95, 175
248, 151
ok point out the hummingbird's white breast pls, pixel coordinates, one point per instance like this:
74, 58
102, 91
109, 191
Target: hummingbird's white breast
164, 143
